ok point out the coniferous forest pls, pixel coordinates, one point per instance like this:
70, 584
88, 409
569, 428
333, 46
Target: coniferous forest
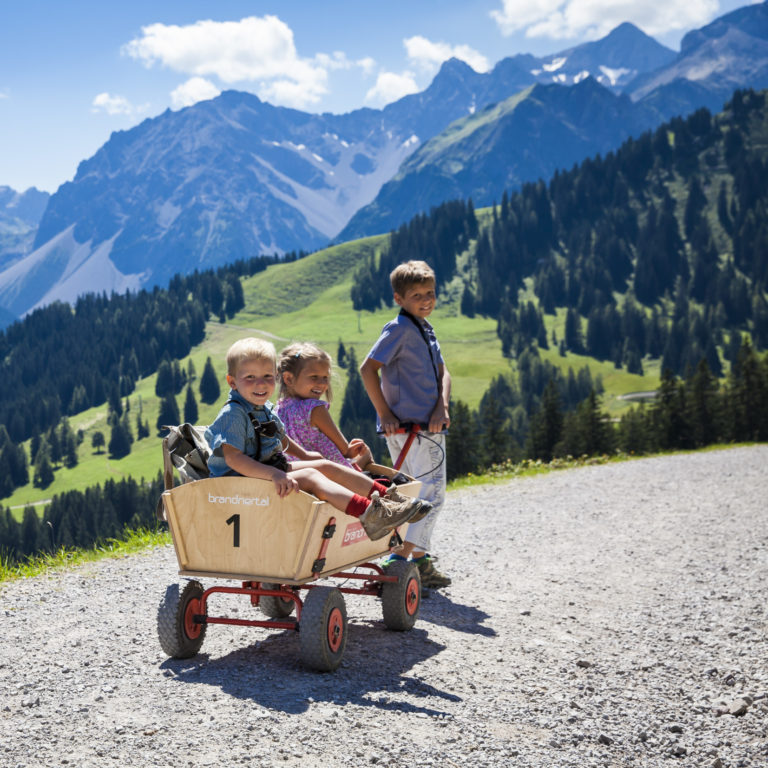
120, 338
659, 249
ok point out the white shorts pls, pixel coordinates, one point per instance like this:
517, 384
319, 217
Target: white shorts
426, 462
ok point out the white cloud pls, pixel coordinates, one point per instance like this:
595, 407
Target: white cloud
116, 105
367, 65
595, 18
193, 90
253, 50
4, 95
390, 87
429, 55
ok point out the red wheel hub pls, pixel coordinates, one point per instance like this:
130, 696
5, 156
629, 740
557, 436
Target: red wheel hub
412, 597
335, 630
191, 628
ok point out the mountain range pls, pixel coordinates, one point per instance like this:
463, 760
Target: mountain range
525, 139
235, 176
20, 214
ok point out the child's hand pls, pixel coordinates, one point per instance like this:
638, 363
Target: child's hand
312, 455
359, 452
284, 484
389, 423
439, 420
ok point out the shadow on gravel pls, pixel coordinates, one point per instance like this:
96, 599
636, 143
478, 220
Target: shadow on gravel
439, 609
374, 672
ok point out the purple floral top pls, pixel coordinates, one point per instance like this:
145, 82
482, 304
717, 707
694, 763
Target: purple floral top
295, 414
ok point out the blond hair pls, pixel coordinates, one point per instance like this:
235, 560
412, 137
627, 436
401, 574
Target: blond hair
247, 349
410, 273
293, 359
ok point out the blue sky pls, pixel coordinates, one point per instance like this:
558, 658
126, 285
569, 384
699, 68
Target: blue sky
73, 71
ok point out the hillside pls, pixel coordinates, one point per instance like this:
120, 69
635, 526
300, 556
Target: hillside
307, 299
652, 257
660, 247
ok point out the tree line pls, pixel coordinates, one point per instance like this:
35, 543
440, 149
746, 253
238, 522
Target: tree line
80, 519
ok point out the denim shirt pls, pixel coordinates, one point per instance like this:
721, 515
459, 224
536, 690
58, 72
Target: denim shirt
233, 427
408, 376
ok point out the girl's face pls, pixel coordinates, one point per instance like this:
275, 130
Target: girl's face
311, 382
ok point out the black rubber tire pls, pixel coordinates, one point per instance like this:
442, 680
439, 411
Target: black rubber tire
275, 607
179, 637
323, 629
401, 599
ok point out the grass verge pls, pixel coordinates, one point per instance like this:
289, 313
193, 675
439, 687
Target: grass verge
131, 542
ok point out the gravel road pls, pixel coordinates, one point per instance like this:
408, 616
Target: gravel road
611, 615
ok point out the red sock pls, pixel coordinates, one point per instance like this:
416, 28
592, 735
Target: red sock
382, 489
357, 505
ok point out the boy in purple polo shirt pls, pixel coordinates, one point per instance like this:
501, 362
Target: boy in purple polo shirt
406, 379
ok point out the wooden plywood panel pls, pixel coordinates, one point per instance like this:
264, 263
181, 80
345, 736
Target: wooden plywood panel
237, 527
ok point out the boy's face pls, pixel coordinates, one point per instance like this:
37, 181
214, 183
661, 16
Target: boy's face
254, 380
419, 299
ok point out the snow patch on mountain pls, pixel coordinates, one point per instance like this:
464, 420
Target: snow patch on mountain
88, 268
75, 268
613, 75
554, 65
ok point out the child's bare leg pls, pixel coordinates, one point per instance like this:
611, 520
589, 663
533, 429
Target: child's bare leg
408, 551
313, 481
350, 478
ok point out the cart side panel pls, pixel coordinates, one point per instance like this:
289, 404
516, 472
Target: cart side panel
349, 545
239, 525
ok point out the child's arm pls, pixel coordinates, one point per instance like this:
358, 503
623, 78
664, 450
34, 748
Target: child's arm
248, 467
369, 371
354, 449
439, 419
292, 447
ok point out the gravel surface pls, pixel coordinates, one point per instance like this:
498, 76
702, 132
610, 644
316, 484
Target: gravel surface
612, 615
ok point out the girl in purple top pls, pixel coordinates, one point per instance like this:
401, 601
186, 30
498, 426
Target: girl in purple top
304, 373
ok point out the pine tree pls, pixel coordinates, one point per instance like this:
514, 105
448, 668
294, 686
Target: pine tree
358, 416
43, 476
496, 439
546, 425
168, 415
98, 441
670, 424
209, 386
30, 532
119, 441
341, 355
701, 402
467, 301
190, 406
462, 443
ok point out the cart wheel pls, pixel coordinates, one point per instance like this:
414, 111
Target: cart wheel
400, 600
180, 636
323, 629
275, 607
